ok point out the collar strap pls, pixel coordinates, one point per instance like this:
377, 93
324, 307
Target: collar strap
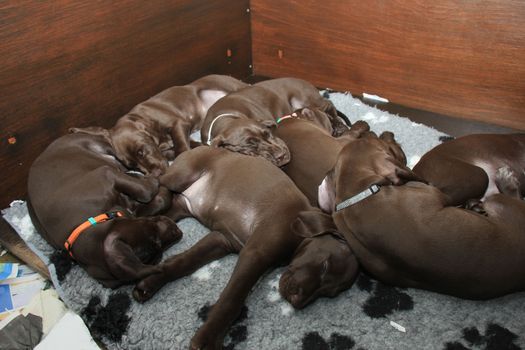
358, 197
208, 142
92, 221
288, 116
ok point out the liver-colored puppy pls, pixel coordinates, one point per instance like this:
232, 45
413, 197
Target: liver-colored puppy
158, 129
474, 166
403, 233
77, 178
313, 150
251, 207
243, 121
300, 93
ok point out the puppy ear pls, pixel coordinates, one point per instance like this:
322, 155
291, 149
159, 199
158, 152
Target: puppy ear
92, 130
358, 129
217, 141
401, 175
313, 223
394, 147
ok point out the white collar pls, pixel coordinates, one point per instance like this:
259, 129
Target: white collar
213, 122
358, 197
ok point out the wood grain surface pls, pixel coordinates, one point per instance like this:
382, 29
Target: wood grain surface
67, 63
459, 58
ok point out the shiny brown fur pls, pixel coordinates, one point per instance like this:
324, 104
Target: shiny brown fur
255, 210
78, 177
158, 129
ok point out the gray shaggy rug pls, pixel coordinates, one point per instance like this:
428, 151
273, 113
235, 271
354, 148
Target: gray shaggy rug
370, 315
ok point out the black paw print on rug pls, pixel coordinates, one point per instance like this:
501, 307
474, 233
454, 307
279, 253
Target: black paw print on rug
62, 262
496, 337
110, 321
238, 332
314, 341
383, 299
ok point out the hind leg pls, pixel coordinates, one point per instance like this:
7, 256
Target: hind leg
460, 181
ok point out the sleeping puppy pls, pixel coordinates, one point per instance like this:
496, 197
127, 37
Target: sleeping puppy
473, 167
253, 209
403, 233
158, 129
300, 93
312, 148
82, 201
242, 122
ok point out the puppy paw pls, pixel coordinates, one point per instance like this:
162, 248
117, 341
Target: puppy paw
147, 288
151, 188
202, 340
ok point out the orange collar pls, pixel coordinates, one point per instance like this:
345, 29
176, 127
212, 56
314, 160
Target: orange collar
92, 221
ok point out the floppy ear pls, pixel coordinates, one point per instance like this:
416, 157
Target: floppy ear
217, 141
92, 130
313, 223
358, 129
394, 147
401, 175
268, 123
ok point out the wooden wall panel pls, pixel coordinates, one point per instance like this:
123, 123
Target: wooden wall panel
460, 58
70, 63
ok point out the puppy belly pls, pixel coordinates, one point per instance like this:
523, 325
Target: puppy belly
195, 195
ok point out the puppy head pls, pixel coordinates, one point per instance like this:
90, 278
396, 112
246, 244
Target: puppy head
253, 138
138, 149
133, 146
323, 265
361, 163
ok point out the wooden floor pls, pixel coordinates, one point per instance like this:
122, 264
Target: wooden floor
452, 126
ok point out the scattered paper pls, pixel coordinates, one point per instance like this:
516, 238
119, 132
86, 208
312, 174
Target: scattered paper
69, 333
398, 326
18, 291
8, 270
375, 97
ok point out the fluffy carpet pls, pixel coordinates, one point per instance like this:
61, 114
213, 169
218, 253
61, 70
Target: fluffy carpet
368, 316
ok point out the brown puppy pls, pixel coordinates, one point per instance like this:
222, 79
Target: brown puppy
251, 208
313, 150
158, 129
242, 122
300, 93
403, 233
76, 178
476, 166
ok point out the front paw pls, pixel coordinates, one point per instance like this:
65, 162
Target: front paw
148, 287
205, 340
151, 187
